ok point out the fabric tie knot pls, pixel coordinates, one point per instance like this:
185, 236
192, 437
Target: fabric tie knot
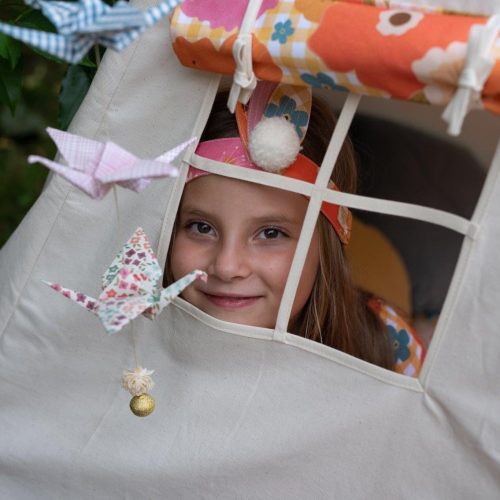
478, 66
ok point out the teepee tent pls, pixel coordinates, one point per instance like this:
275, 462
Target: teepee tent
244, 412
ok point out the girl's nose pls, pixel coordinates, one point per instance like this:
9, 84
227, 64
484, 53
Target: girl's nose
230, 262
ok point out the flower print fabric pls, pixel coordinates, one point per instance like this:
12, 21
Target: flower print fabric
204, 54
439, 69
287, 109
402, 53
282, 31
408, 350
397, 22
400, 340
293, 104
312, 9
321, 81
219, 14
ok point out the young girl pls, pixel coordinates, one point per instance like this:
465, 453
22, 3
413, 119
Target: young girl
244, 236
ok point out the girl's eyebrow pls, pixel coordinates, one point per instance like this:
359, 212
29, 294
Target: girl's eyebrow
276, 218
187, 210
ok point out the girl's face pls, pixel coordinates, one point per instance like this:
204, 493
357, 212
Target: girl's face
244, 236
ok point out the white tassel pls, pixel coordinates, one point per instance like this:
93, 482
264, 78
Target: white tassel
478, 66
137, 381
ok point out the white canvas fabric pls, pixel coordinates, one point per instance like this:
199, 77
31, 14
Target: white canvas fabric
482, 7
241, 412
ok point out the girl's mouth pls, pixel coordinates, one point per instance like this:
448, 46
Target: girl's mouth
231, 301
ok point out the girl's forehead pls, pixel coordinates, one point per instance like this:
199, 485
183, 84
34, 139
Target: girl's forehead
213, 193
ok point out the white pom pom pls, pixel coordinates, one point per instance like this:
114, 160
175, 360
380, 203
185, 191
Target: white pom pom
274, 144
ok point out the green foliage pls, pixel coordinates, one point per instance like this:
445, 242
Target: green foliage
10, 71
10, 83
37, 90
74, 87
10, 49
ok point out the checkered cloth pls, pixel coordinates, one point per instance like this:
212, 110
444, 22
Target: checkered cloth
82, 24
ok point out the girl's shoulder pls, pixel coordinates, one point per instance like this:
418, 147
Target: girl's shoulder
409, 352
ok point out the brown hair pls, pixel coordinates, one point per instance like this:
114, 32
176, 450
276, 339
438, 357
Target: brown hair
337, 313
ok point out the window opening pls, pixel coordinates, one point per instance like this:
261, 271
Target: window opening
411, 274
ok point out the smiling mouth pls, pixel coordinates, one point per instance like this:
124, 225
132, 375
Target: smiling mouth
231, 301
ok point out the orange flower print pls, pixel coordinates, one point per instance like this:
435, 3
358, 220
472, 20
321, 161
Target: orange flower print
440, 70
263, 64
367, 39
397, 22
203, 55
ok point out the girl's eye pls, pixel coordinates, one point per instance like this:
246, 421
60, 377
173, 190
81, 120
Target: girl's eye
271, 233
200, 228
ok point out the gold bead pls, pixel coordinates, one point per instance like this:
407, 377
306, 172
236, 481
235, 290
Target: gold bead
142, 405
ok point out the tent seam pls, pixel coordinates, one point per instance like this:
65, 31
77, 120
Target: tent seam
462, 269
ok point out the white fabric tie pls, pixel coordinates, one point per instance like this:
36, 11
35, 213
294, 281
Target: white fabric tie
244, 80
478, 65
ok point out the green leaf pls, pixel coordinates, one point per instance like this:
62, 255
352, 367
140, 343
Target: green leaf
10, 84
74, 87
34, 19
10, 49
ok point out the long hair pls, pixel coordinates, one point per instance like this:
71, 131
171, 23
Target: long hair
337, 313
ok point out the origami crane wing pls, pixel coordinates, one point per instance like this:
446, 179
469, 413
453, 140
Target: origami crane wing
118, 311
145, 169
68, 48
82, 156
120, 40
120, 16
64, 15
88, 16
81, 299
93, 166
82, 24
114, 312
80, 179
175, 289
129, 286
79, 152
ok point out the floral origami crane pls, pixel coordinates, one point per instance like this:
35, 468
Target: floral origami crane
84, 23
130, 286
94, 166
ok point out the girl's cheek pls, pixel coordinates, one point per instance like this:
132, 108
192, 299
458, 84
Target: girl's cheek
276, 269
184, 256
189, 253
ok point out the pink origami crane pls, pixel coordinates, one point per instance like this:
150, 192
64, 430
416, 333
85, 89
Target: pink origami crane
130, 286
95, 166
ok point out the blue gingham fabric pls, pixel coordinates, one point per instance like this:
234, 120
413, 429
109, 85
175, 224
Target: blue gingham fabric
84, 23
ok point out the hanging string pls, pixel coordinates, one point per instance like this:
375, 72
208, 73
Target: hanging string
134, 345
118, 219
